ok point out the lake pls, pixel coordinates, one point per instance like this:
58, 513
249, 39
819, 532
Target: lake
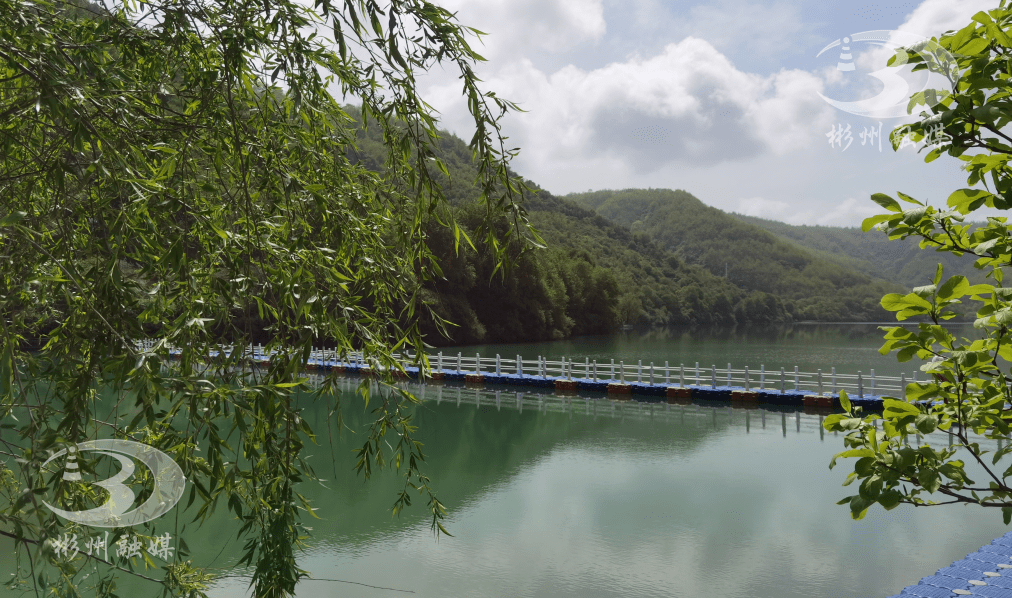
588, 497
600, 498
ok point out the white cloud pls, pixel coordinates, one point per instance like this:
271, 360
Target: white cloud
761, 207
888, 88
788, 116
687, 104
684, 114
754, 28
931, 18
519, 26
755, 35
934, 17
848, 212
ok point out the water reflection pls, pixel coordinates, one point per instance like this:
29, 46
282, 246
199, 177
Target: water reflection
576, 496
569, 495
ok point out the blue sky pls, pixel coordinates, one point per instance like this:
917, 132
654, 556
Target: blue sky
721, 99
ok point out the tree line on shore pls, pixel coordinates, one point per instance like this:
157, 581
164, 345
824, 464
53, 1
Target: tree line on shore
600, 271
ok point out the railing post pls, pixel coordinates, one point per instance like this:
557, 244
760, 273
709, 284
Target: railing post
860, 385
612, 369
713, 376
639, 371
833, 370
795, 377
729, 375
651, 373
595, 370
458, 362
520, 365
820, 384
586, 368
497, 372
439, 362
621, 371
477, 363
746, 379
697, 373
570, 377
681, 375
762, 376
873, 382
667, 374
783, 381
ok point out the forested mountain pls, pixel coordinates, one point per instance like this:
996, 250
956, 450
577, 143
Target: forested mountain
753, 259
870, 252
594, 276
644, 257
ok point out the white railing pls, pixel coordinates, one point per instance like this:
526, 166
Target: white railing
782, 379
821, 381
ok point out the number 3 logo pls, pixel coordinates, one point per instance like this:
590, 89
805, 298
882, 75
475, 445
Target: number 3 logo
168, 487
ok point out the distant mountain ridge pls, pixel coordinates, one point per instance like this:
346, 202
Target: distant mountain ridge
752, 257
870, 252
594, 276
643, 257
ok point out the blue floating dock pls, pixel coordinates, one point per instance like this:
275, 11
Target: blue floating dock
645, 392
987, 572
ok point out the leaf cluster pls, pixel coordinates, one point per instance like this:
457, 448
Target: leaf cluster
175, 177
968, 394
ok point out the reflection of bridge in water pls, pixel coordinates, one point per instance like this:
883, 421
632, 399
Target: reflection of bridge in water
660, 390
675, 396
978, 574
745, 384
673, 411
678, 411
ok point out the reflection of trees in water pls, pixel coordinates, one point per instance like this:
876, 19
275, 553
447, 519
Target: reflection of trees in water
779, 332
481, 444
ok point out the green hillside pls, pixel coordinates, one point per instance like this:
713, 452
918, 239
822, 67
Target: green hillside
593, 277
752, 258
870, 252
642, 257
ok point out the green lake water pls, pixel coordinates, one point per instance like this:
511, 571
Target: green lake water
587, 497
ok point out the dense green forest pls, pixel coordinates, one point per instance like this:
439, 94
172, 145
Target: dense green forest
603, 267
753, 259
594, 275
870, 252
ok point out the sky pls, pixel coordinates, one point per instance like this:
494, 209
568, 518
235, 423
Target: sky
730, 101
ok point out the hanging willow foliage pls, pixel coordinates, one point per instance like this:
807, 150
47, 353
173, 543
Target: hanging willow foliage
176, 172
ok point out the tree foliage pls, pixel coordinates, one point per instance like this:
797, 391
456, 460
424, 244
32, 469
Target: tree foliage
179, 172
872, 254
593, 275
808, 286
968, 392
